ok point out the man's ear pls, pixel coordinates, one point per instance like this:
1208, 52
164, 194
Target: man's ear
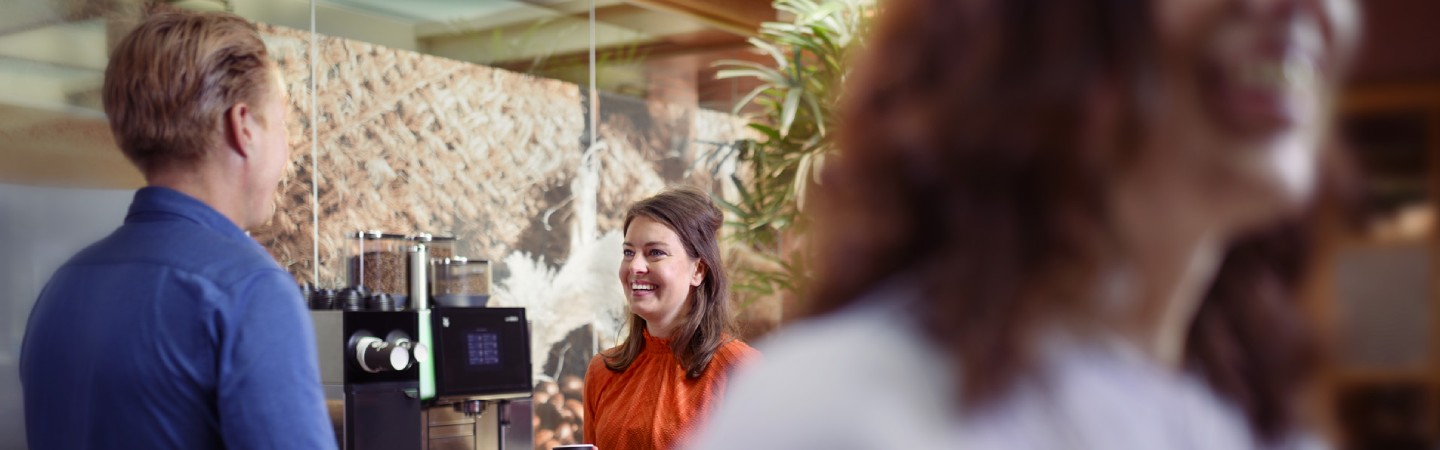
699, 275
240, 129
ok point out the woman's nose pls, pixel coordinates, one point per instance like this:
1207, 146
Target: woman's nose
637, 265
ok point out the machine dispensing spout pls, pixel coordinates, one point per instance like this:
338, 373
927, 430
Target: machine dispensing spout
473, 408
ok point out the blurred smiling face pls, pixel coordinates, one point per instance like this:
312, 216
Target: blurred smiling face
657, 273
1246, 89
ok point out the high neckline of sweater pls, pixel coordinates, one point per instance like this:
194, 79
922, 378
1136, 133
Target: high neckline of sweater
656, 342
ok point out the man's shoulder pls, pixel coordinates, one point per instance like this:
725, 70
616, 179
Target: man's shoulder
180, 246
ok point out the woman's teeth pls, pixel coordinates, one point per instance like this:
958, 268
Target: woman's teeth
642, 287
1278, 74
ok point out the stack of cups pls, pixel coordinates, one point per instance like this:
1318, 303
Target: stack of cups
352, 300
322, 299
381, 302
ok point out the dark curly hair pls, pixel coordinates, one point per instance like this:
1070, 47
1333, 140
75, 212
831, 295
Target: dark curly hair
978, 141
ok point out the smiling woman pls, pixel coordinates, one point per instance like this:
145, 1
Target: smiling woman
652, 389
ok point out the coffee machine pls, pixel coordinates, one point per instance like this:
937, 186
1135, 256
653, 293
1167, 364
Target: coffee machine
402, 372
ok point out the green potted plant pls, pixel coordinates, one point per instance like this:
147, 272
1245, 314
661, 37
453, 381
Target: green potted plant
796, 103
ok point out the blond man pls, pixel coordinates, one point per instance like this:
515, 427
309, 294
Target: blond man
178, 330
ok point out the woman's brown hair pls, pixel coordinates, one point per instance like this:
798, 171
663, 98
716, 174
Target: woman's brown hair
707, 324
978, 141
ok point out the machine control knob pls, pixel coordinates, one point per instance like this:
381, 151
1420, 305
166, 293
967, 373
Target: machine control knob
375, 355
420, 352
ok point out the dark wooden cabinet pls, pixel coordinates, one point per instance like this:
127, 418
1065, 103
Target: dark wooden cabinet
1377, 276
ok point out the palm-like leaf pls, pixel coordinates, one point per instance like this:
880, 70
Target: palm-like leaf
796, 100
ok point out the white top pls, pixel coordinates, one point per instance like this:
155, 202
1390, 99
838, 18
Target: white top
864, 378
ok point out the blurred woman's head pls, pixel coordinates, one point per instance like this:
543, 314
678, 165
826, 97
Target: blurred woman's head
994, 152
1245, 91
674, 278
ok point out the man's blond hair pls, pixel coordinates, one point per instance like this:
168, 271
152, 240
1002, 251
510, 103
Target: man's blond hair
171, 80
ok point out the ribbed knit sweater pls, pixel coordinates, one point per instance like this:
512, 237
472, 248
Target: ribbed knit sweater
652, 405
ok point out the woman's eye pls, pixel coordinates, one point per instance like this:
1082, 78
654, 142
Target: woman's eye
629, 253
655, 253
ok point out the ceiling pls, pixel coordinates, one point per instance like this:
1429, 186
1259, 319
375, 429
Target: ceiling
53, 54
57, 48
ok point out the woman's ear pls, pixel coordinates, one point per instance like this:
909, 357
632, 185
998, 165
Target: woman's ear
699, 275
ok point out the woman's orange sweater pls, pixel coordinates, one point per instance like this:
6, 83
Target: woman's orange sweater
652, 405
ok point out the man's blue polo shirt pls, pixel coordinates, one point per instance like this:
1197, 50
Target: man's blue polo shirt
177, 331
